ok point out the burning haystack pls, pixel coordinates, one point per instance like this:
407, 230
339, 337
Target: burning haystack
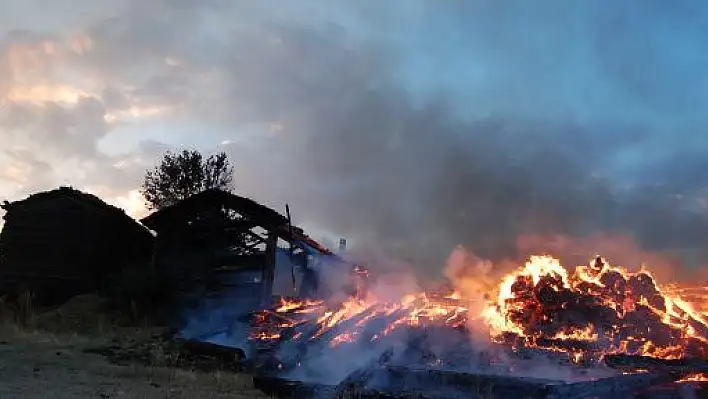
597, 310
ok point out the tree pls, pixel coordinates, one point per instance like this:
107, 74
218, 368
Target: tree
181, 175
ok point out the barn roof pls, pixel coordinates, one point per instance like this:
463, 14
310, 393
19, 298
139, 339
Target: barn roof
266, 217
209, 199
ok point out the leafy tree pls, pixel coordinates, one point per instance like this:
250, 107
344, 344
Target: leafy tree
181, 175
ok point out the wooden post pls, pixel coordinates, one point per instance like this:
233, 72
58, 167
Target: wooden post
292, 247
269, 266
156, 242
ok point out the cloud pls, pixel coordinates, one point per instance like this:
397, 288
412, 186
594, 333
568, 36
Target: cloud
409, 125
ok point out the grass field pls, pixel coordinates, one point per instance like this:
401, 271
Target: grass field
45, 357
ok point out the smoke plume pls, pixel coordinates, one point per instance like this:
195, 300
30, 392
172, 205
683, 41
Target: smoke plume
409, 126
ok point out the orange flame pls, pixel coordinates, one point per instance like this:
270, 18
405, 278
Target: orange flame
543, 302
695, 377
595, 310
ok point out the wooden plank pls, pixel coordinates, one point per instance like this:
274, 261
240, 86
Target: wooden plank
269, 269
224, 353
395, 383
283, 388
676, 366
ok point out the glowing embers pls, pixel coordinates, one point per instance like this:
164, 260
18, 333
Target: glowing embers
599, 309
695, 377
594, 311
268, 324
355, 319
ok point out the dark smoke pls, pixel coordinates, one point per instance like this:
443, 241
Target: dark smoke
364, 158
406, 125
409, 126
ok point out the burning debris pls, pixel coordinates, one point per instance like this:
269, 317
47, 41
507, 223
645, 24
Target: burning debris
352, 320
597, 310
596, 323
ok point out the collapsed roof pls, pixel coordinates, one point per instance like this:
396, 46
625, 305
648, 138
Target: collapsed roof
254, 214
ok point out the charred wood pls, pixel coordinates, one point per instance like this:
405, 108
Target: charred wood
448, 384
389, 382
282, 388
609, 387
361, 377
226, 354
633, 363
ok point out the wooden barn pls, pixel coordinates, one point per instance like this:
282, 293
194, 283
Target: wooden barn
215, 242
64, 242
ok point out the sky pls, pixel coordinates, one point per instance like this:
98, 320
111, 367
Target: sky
410, 125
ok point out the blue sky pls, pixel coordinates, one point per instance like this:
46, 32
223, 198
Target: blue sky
363, 115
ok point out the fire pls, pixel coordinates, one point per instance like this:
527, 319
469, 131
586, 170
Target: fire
594, 310
599, 308
355, 315
697, 296
695, 377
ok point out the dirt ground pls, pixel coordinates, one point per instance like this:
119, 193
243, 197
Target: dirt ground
49, 359
43, 365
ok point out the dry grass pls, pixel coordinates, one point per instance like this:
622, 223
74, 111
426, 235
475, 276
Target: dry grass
44, 356
17, 311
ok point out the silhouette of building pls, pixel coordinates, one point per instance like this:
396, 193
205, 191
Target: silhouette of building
65, 242
216, 241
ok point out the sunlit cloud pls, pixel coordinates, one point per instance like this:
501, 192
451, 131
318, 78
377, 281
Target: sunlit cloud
135, 112
16, 173
44, 93
133, 203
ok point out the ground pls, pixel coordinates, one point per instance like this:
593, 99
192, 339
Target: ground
41, 363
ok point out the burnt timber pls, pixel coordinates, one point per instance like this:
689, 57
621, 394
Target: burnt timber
631, 363
399, 383
65, 242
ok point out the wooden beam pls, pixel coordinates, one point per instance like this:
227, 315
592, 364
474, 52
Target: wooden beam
257, 237
677, 366
292, 247
252, 245
269, 267
226, 354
